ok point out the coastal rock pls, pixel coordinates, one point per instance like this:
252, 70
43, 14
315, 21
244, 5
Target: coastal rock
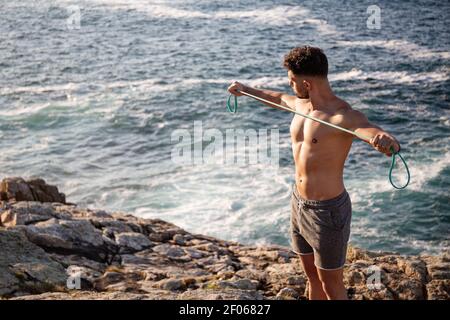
171, 251
355, 278
288, 294
179, 239
438, 289
32, 190
53, 250
76, 260
25, 267
24, 213
242, 284
132, 241
70, 237
439, 270
92, 295
171, 284
194, 253
414, 268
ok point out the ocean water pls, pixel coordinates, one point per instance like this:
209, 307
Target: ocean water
92, 108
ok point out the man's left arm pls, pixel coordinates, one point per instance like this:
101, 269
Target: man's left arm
381, 140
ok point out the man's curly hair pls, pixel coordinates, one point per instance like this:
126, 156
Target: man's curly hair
307, 61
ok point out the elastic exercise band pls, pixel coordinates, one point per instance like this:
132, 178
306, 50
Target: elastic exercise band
234, 108
229, 107
392, 168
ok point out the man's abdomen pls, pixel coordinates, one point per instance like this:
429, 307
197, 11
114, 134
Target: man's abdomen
319, 186
319, 173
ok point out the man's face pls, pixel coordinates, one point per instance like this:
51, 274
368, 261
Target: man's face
297, 84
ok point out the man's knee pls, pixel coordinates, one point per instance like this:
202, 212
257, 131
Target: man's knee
331, 279
313, 279
310, 269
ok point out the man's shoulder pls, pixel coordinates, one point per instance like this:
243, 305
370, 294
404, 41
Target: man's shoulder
345, 115
342, 106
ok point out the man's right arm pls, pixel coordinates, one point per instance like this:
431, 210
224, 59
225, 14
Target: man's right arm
273, 96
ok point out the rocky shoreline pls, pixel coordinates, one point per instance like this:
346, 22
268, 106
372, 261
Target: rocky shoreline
55, 250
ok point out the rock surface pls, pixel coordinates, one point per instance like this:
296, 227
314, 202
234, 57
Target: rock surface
52, 250
32, 190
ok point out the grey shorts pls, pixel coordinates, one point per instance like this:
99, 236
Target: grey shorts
321, 228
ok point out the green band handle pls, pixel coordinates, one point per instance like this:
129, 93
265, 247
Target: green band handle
234, 108
230, 108
394, 154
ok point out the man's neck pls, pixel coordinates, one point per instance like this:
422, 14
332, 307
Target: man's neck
322, 96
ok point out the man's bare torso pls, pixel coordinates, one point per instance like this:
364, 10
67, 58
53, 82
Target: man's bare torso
319, 151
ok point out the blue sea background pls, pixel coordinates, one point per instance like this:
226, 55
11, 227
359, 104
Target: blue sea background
92, 109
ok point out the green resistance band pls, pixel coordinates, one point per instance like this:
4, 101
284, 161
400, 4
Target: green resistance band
234, 107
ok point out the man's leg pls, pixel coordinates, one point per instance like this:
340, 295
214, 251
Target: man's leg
333, 283
315, 288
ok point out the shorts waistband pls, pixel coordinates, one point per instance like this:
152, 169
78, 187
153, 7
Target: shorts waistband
336, 201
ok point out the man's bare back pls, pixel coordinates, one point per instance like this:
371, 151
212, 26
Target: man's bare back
319, 151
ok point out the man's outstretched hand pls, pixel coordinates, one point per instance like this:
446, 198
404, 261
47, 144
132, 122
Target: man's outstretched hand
384, 142
235, 87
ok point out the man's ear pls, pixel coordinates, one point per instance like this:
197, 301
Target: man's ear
307, 85
292, 80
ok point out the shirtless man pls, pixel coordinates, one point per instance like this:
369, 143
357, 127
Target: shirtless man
321, 206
